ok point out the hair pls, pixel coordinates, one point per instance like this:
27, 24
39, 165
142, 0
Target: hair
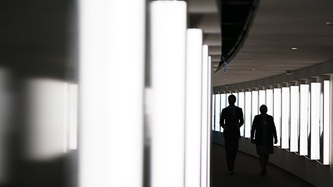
263, 109
232, 96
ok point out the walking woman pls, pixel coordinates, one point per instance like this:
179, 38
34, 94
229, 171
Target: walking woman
262, 133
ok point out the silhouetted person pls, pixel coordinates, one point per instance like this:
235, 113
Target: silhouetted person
262, 133
231, 120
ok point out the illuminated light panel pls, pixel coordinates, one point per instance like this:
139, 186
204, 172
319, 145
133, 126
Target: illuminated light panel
248, 115
204, 105
47, 119
105, 156
262, 97
217, 112
294, 121
269, 101
168, 55
326, 121
72, 116
241, 104
304, 117
193, 107
255, 103
315, 120
277, 113
209, 130
285, 118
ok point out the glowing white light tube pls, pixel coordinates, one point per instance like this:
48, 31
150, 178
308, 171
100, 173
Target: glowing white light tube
248, 115
241, 104
217, 111
47, 118
262, 97
285, 118
269, 101
294, 123
168, 54
326, 121
111, 116
209, 129
277, 113
315, 108
304, 117
205, 108
193, 107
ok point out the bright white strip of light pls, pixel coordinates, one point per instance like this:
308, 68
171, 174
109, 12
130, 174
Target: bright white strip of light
285, 118
72, 116
304, 117
248, 115
255, 103
205, 108
105, 105
223, 104
277, 113
315, 108
269, 101
46, 118
193, 107
241, 104
168, 49
294, 123
262, 97
326, 133
217, 111
209, 130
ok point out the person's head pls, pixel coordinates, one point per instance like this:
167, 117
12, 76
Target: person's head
263, 109
232, 99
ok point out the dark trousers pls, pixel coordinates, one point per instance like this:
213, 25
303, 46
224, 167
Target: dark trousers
231, 149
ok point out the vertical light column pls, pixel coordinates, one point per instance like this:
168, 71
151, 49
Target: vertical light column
262, 97
168, 54
46, 109
105, 152
217, 111
205, 108
277, 113
209, 129
224, 103
241, 104
72, 115
255, 104
303, 116
285, 118
294, 121
193, 107
326, 121
269, 101
315, 108
248, 114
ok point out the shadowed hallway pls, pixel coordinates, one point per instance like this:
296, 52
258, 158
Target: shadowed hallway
247, 171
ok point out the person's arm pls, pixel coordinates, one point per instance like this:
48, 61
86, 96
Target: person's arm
253, 129
241, 118
274, 132
222, 120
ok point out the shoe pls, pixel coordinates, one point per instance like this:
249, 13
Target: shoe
232, 173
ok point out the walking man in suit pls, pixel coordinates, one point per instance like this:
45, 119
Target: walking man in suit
231, 120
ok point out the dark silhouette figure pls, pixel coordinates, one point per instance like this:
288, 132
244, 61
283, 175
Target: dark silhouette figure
262, 133
231, 120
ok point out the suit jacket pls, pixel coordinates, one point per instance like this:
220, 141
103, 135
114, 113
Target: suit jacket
231, 122
256, 130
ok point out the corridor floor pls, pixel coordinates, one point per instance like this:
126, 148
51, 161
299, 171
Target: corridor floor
247, 171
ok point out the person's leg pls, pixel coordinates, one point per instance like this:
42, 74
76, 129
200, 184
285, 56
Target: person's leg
229, 153
266, 160
262, 164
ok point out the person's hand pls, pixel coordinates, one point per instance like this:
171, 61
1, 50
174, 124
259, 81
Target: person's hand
275, 141
252, 140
